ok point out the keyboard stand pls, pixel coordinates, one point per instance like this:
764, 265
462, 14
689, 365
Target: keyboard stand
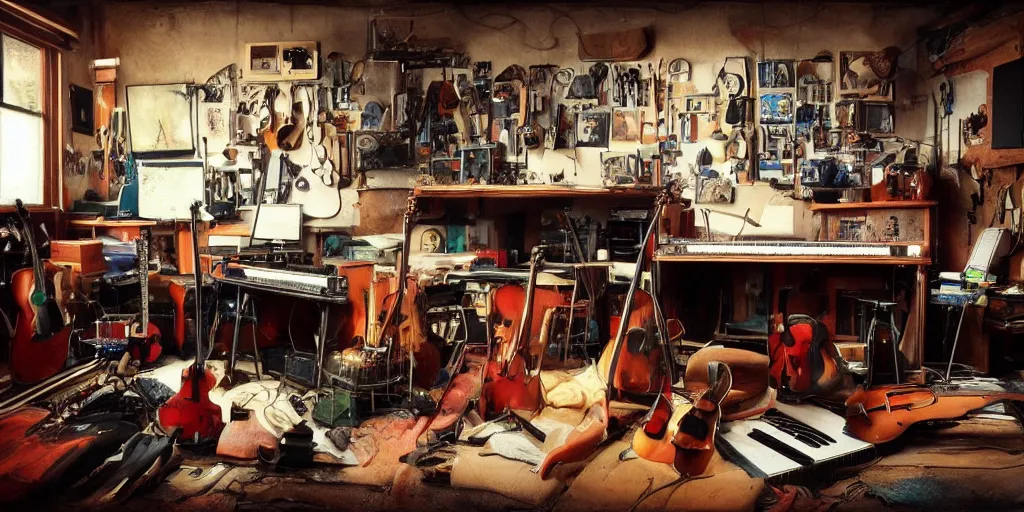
323, 303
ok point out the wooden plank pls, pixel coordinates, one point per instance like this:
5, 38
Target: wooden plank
873, 205
528, 191
822, 260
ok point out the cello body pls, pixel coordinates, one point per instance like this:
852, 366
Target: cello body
34, 356
639, 368
882, 414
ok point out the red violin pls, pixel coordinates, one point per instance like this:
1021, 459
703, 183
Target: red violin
508, 384
191, 409
803, 359
39, 349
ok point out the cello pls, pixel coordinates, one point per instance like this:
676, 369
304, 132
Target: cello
42, 336
191, 409
508, 384
633, 362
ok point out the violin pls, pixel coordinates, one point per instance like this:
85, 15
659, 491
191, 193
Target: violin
635, 360
881, 414
640, 366
42, 336
191, 409
508, 384
802, 357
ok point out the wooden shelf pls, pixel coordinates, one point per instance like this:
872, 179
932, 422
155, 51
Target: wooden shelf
529, 191
821, 260
100, 222
874, 205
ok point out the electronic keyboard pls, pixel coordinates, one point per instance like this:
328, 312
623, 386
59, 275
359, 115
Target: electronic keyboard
787, 248
312, 283
792, 443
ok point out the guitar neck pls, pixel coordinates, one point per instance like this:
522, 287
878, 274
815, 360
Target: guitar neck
37, 262
143, 269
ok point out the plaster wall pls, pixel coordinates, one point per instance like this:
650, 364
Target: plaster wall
184, 43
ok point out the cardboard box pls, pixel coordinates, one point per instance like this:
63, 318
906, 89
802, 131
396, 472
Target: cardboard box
86, 254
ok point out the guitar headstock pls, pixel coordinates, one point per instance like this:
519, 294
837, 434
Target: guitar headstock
23, 215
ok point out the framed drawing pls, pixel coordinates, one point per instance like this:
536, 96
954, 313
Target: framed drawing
160, 120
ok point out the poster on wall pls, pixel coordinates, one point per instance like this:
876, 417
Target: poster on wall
775, 74
160, 120
867, 75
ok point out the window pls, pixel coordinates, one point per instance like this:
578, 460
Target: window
23, 139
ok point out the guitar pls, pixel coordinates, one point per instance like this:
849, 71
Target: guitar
315, 185
143, 336
191, 409
39, 349
695, 435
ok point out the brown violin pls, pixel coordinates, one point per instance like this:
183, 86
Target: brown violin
635, 360
42, 336
881, 414
508, 383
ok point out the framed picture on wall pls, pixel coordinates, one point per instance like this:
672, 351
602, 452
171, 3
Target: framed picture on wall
160, 121
867, 75
593, 128
775, 74
81, 110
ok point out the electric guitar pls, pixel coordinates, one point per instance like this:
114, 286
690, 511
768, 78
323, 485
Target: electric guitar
315, 186
191, 409
143, 336
39, 349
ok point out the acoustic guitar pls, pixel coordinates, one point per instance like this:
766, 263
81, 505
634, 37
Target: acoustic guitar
39, 349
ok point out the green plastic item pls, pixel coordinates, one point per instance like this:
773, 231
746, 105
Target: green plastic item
336, 409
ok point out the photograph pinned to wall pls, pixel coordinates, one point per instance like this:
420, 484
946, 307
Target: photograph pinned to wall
625, 125
714, 189
593, 128
775, 74
648, 158
160, 120
475, 164
698, 104
566, 136
775, 156
615, 168
868, 75
777, 108
814, 79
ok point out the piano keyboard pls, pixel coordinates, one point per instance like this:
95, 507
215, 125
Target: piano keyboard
787, 248
792, 441
311, 283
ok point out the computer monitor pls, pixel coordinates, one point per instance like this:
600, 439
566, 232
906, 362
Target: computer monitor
278, 223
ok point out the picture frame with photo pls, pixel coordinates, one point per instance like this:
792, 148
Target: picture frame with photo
625, 125
476, 164
777, 108
815, 78
593, 128
446, 170
617, 168
698, 104
857, 77
776, 74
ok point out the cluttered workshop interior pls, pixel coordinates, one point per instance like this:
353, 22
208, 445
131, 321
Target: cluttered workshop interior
360, 255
